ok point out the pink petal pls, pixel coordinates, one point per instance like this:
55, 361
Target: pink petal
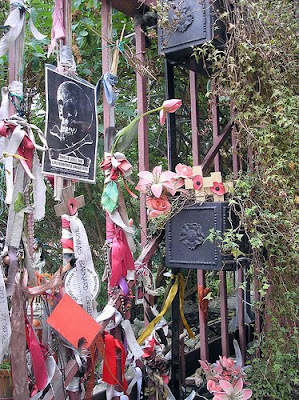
156, 189
238, 386
221, 396
171, 105
157, 171
146, 176
162, 117
205, 366
168, 176
247, 393
227, 387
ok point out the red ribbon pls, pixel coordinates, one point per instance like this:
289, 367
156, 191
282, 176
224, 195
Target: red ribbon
37, 357
110, 363
203, 303
121, 256
25, 150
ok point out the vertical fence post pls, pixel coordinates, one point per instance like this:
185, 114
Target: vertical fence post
175, 383
142, 126
204, 349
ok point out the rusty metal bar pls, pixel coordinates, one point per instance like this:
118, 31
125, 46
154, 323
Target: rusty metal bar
215, 124
106, 30
194, 118
203, 333
224, 314
170, 118
204, 353
236, 164
143, 126
216, 146
257, 314
241, 321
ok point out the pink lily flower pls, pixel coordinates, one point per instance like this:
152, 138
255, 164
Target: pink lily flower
231, 392
169, 106
156, 181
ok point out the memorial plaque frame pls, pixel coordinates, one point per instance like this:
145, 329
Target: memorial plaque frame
191, 24
186, 233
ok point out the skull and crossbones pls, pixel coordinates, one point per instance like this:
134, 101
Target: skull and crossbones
76, 116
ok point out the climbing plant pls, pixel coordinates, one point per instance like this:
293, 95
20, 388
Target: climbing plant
258, 70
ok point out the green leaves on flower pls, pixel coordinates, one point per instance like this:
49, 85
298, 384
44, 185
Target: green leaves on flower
126, 136
109, 199
19, 203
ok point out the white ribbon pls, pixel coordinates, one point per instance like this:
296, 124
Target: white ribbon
15, 21
108, 313
4, 109
131, 340
5, 328
138, 380
13, 144
84, 260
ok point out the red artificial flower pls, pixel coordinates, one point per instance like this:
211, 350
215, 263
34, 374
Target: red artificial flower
197, 182
218, 188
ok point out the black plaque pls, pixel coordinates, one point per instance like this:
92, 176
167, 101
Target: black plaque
191, 23
186, 233
71, 127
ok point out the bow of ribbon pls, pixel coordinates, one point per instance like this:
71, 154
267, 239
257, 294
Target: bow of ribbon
116, 164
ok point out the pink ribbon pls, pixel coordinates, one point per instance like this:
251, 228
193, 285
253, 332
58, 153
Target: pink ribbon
121, 256
57, 31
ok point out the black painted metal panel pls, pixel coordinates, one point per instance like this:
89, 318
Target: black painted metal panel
186, 233
191, 23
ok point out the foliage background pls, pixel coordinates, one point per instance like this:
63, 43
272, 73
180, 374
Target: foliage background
258, 69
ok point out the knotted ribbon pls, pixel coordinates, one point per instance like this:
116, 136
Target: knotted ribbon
121, 256
109, 80
15, 21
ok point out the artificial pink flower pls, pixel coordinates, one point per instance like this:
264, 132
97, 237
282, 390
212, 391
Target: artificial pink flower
231, 392
157, 206
227, 363
197, 182
213, 386
218, 188
206, 367
169, 106
156, 181
184, 171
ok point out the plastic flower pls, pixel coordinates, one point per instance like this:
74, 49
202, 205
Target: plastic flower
156, 181
218, 188
117, 164
184, 171
197, 182
169, 106
157, 206
231, 392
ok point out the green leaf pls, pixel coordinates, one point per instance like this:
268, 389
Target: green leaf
19, 203
109, 199
126, 136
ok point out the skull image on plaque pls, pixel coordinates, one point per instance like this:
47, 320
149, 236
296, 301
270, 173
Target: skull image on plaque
186, 233
71, 127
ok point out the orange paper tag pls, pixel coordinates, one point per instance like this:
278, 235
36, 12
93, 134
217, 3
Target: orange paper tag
72, 322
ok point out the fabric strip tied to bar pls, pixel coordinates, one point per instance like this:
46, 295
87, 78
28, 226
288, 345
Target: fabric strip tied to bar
179, 284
